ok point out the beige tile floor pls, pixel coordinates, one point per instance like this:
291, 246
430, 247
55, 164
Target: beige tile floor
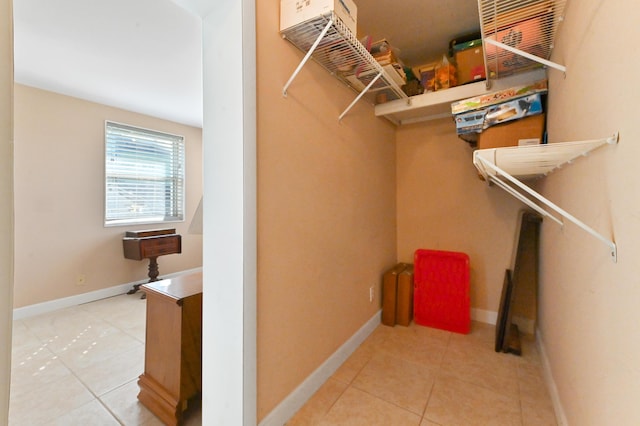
425, 377
80, 365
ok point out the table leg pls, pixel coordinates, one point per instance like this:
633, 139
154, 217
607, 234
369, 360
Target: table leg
153, 276
153, 269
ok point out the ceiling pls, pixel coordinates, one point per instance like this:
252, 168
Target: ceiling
145, 55
139, 55
419, 29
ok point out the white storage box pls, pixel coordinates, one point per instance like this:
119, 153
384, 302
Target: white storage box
293, 12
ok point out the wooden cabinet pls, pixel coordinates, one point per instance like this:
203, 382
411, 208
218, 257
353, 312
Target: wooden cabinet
173, 348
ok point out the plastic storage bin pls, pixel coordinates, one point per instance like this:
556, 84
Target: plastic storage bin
441, 290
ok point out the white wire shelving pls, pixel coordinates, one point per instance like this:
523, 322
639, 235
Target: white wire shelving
330, 43
518, 39
519, 35
506, 167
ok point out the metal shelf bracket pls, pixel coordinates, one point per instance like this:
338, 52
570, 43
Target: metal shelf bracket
307, 56
526, 54
360, 95
519, 34
328, 40
494, 174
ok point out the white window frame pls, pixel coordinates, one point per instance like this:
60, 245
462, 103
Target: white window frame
169, 151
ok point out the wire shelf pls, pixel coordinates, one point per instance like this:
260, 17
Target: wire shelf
506, 167
342, 55
519, 34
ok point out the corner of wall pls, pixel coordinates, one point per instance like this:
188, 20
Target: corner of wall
550, 382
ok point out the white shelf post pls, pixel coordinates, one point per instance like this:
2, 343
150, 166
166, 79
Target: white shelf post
361, 94
525, 54
495, 178
537, 161
306, 57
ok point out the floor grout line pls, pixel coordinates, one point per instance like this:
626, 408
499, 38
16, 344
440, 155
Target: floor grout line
105, 315
383, 342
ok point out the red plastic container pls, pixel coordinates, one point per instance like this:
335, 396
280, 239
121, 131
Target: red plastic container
441, 290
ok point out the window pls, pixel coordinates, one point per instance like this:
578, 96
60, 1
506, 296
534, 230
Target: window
144, 176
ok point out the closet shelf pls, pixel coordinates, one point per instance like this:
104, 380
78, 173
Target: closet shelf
518, 38
435, 105
505, 167
330, 43
519, 34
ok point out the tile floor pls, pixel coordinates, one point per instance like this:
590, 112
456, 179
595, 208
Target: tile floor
80, 365
426, 377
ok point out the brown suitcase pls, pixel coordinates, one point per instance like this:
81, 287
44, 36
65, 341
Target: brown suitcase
404, 297
389, 289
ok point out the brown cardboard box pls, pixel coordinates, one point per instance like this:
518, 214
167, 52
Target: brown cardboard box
389, 294
404, 302
513, 133
470, 63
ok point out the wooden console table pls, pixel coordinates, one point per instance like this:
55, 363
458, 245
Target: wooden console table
150, 244
173, 347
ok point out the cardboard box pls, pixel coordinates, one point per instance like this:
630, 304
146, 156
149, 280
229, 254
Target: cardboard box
479, 120
293, 12
513, 110
404, 299
525, 131
389, 294
470, 122
470, 62
493, 98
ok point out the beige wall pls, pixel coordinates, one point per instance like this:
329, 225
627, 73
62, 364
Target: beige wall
6, 203
443, 205
326, 214
59, 199
590, 321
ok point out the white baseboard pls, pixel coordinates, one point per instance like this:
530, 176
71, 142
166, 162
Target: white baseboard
296, 399
487, 317
525, 325
561, 418
92, 296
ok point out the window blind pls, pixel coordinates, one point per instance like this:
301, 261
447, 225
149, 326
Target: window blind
144, 175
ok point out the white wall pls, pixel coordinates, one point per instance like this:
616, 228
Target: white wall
589, 316
229, 215
59, 199
6, 204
